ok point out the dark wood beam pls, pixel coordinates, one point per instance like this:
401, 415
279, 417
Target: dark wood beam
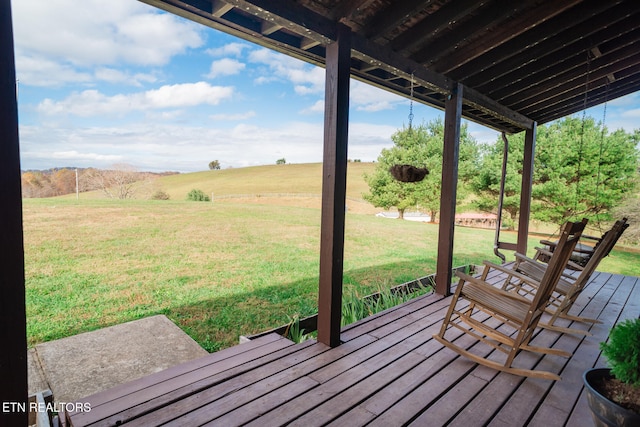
526, 189
392, 16
345, 9
627, 58
13, 319
624, 84
596, 90
433, 24
495, 109
538, 20
493, 14
219, 8
526, 62
334, 187
570, 58
450, 156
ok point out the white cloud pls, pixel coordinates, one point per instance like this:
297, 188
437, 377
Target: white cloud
56, 38
160, 147
634, 113
225, 67
365, 97
112, 75
317, 107
231, 49
92, 102
43, 72
307, 79
233, 117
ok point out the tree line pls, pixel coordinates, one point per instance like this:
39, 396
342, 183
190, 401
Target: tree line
122, 181
580, 170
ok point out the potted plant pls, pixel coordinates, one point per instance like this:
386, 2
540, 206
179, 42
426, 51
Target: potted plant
614, 393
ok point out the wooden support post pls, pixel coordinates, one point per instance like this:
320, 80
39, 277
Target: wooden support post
13, 320
526, 189
452, 117
334, 186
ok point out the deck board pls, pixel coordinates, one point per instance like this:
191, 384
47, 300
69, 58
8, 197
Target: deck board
388, 371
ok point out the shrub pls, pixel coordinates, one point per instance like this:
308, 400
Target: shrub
622, 351
160, 195
198, 196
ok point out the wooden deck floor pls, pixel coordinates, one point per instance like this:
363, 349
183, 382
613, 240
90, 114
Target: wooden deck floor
388, 372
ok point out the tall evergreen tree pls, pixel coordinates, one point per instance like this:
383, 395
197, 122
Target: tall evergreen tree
580, 170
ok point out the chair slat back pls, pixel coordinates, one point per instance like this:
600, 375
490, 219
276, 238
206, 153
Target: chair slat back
606, 244
623, 225
569, 236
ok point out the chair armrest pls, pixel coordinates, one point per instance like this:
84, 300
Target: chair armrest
491, 289
513, 273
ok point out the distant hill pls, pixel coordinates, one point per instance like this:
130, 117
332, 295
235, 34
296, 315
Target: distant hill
290, 183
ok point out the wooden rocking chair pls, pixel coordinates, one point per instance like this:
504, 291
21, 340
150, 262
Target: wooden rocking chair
518, 312
581, 253
568, 287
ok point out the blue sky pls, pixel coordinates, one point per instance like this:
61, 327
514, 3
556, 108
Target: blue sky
118, 81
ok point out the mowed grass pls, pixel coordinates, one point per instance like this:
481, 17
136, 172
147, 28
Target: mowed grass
218, 270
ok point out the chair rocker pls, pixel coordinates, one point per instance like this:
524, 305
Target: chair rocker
475, 296
568, 287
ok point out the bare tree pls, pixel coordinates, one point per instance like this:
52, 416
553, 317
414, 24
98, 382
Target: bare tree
116, 183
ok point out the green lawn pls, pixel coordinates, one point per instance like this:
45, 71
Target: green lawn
218, 270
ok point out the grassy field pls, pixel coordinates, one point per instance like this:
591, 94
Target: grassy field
218, 270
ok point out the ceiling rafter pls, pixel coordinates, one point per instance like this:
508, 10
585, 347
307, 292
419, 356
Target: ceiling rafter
392, 16
492, 15
577, 59
436, 22
596, 70
551, 52
505, 32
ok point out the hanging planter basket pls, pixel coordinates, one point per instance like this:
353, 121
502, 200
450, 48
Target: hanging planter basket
408, 173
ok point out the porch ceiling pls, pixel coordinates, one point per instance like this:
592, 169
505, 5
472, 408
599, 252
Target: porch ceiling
519, 61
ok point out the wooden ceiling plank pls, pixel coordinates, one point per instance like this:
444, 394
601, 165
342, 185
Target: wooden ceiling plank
550, 52
434, 23
346, 9
536, 21
570, 106
624, 46
392, 16
494, 14
626, 58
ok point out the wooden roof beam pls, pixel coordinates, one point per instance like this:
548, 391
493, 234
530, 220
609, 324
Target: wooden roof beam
527, 62
219, 8
551, 19
495, 13
392, 16
433, 24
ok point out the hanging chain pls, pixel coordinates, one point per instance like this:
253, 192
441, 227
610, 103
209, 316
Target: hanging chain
411, 104
602, 135
584, 116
